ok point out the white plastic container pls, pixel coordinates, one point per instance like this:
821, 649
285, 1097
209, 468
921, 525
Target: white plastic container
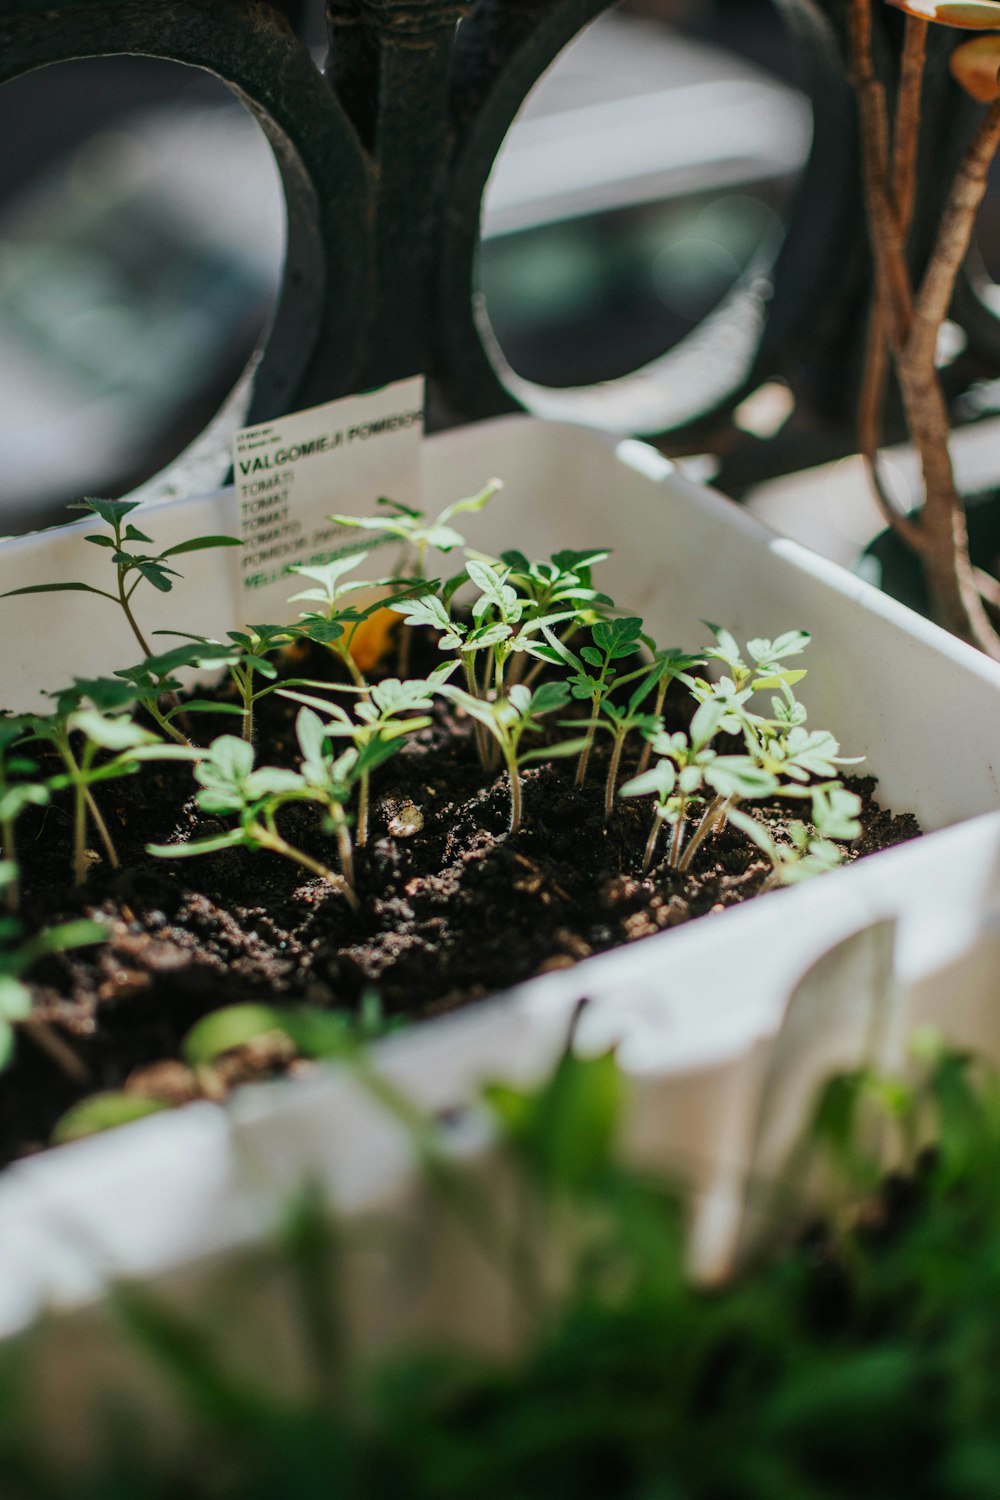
697, 1012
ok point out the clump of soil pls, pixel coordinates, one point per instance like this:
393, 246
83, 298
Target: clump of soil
452, 908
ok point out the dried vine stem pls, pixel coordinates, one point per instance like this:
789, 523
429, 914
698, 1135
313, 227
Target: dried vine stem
905, 145
894, 290
906, 135
954, 235
874, 378
910, 324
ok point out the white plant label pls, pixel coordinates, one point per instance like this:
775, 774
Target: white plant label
291, 473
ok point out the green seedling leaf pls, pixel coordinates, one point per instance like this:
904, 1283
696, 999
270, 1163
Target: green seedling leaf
315, 1033
728, 646
196, 544
546, 698
427, 609
20, 795
15, 1000
233, 839
312, 736
231, 1027
792, 643
739, 776
328, 575
618, 638
836, 812
325, 632
131, 568
835, 1117
472, 503
82, 933
118, 733
562, 750
412, 526
231, 761
706, 723
444, 538
814, 753
565, 1131
778, 679
56, 588
659, 781
755, 832
103, 1112
207, 706
160, 578
271, 781
568, 561
111, 511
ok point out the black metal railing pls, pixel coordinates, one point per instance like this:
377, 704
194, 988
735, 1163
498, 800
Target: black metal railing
384, 161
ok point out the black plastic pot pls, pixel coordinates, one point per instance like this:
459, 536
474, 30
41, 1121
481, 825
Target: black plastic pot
890, 565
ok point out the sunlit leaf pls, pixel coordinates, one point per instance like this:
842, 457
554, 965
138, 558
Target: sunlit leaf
103, 1112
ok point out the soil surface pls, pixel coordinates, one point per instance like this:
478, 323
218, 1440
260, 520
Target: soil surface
448, 914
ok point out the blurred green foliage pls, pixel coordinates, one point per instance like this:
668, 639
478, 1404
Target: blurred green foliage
861, 1360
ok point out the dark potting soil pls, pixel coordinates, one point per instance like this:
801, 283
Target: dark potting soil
448, 914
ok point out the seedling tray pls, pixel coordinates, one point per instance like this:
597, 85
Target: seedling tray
697, 1012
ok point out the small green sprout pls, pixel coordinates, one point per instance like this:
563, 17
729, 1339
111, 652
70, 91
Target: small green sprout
803, 857
780, 745
766, 668
592, 672
505, 620
247, 656
154, 680
564, 1130
230, 785
561, 588
18, 791
314, 1033
811, 851
620, 720
682, 780
331, 781
783, 758
801, 754
667, 666
497, 631
509, 719
103, 1111
563, 581
413, 528
835, 811
79, 734
17, 954
131, 567
382, 724
252, 659
465, 640
548, 593
498, 606
335, 624
663, 783
326, 1035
